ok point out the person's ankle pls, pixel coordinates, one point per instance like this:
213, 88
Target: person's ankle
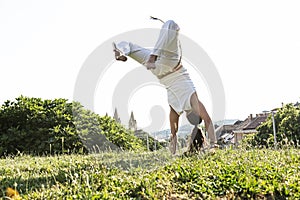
152, 59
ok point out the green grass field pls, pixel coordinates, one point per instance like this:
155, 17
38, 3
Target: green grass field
228, 174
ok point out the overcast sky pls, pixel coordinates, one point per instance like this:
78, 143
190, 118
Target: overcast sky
255, 46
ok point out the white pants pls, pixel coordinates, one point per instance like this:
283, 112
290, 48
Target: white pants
178, 84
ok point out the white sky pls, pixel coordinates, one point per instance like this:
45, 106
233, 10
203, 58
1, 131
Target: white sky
255, 46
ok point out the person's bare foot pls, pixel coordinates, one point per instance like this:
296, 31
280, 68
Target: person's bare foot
118, 54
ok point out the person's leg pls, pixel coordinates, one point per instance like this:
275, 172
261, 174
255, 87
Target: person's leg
134, 51
174, 118
199, 108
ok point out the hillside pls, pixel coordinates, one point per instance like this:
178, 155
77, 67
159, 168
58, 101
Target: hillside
228, 174
149, 141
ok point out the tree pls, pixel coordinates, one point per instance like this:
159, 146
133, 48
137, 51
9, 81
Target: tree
287, 124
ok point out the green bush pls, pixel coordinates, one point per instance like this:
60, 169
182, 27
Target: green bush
101, 133
36, 126
117, 134
32, 125
287, 124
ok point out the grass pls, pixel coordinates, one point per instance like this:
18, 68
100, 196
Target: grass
228, 174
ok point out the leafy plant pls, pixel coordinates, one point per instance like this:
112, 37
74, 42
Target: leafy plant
36, 126
287, 124
228, 174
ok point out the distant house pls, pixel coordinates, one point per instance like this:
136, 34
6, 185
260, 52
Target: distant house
248, 126
224, 129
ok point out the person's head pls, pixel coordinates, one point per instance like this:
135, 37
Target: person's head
193, 118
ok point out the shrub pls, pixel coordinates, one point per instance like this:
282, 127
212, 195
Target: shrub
33, 125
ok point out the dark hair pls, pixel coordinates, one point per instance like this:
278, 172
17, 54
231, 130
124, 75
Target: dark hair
197, 138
